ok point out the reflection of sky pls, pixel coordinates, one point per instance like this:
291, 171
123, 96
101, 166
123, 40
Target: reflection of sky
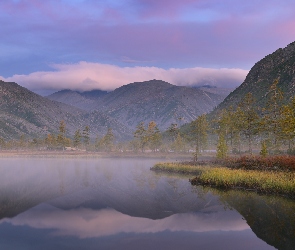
110, 229
126, 185
113, 204
85, 223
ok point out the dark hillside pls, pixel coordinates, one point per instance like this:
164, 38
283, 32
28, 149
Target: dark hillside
278, 65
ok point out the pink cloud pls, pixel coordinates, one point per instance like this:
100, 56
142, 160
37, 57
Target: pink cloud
149, 33
88, 76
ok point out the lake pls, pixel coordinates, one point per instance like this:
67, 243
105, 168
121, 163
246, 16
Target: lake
83, 203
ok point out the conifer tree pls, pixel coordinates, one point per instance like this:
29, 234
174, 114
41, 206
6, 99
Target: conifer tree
250, 122
272, 115
288, 123
61, 137
200, 134
108, 140
222, 148
22, 141
86, 137
134, 145
263, 151
141, 135
50, 141
100, 144
153, 136
178, 145
2, 143
222, 124
236, 127
77, 138
173, 131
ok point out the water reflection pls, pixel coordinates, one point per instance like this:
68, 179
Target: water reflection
85, 222
271, 218
117, 204
130, 189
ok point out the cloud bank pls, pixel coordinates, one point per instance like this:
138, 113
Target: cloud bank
234, 34
85, 76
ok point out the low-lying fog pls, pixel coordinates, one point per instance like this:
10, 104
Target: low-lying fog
87, 198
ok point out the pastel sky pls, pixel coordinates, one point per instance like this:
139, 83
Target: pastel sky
87, 44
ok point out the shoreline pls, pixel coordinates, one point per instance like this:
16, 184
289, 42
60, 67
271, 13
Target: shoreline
89, 154
221, 177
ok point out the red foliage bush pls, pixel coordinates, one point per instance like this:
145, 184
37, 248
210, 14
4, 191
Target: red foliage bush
270, 163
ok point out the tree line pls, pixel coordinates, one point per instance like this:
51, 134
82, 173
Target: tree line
269, 130
80, 141
239, 129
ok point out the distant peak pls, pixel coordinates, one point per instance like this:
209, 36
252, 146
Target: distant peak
8, 83
154, 81
65, 90
205, 86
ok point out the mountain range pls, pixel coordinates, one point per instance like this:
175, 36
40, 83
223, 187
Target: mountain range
153, 100
26, 113
23, 112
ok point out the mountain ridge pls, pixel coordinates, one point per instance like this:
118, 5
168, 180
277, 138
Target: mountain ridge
155, 100
277, 65
23, 112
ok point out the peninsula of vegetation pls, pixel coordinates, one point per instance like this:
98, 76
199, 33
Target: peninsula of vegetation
272, 172
268, 175
253, 130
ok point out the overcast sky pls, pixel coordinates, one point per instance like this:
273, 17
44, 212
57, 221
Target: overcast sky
90, 44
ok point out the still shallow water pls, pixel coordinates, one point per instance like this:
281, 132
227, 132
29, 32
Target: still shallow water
121, 204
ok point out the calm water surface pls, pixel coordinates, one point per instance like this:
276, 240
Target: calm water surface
121, 204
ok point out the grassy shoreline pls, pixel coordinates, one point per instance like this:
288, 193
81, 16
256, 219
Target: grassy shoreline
267, 182
179, 168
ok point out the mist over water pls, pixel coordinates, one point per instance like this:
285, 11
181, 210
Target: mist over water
77, 203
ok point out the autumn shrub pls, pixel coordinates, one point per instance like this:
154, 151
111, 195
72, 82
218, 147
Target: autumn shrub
269, 163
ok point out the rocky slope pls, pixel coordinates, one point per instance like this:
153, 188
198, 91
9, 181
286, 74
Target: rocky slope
158, 101
154, 100
223, 92
24, 112
85, 100
278, 65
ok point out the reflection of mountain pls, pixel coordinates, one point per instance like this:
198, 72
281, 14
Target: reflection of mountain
89, 223
272, 219
103, 199
125, 185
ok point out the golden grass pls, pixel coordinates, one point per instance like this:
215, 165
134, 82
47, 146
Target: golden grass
178, 168
268, 182
222, 177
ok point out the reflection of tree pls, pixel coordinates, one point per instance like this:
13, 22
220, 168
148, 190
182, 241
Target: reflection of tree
108, 173
11, 207
199, 191
22, 197
86, 178
61, 176
272, 219
175, 185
